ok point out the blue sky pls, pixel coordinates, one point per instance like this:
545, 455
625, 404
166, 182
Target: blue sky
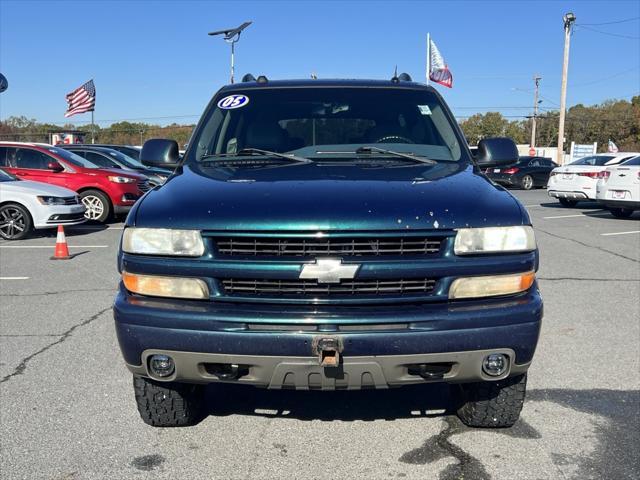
153, 60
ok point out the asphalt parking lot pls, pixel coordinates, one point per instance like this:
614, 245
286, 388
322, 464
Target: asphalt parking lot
67, 409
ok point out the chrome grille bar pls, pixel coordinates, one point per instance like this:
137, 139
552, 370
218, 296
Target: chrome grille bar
233, 286
296, 247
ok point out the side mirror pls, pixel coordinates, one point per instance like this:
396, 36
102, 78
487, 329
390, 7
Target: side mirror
497, 151
160, 152
55, 167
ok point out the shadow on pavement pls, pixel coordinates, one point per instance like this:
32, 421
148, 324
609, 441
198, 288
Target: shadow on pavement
618, 430
591, 205
406, 402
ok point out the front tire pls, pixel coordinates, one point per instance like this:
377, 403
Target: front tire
568, 203
621, 212
168, 404
97, 205
15, 222
526, 182
492, 404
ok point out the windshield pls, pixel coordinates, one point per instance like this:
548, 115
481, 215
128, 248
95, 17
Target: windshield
72, 158
316, 121
6, 177
594, 160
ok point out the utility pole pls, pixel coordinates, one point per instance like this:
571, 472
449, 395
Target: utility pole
536, 79
568, 18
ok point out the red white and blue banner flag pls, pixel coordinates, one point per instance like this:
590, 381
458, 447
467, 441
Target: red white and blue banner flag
82, 99
437, 69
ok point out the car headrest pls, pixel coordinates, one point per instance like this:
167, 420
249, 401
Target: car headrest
266, 136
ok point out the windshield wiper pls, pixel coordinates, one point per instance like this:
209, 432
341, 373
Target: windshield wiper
408, 156
258, 151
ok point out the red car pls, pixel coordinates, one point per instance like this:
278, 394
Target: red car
103, 191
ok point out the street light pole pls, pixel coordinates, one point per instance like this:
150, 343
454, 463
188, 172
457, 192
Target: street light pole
568, 18
231, 36
536, 79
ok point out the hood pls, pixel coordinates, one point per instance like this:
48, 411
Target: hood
36, 188
322, 196
120, 172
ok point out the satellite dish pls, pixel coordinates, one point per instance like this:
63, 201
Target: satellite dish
4, 84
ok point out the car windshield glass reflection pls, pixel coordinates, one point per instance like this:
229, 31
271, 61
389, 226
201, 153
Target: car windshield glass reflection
316, 121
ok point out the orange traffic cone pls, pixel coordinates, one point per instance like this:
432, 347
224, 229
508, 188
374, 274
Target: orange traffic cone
62, 250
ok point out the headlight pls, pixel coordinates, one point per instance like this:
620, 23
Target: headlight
491, 286
122, 179
174, 287
163, 241
51, 200
495, 240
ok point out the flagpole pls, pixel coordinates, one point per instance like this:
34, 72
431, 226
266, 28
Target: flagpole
93, 138
428, 56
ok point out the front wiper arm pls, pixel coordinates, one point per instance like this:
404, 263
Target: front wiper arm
408, 156
259, 151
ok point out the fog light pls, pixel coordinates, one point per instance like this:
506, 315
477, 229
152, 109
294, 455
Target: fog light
161, 365
495, 364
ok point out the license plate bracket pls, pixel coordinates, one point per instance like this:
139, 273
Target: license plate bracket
618, 194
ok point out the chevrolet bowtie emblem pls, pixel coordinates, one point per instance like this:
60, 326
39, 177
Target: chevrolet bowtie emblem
328, 270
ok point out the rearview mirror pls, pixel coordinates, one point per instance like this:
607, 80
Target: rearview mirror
160, 152
497, 151
55, 166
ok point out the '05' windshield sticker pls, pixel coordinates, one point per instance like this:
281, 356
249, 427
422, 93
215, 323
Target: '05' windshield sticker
233, 101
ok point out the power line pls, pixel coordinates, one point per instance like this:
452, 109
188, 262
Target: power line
605, 78
126, 119
609, 33
611, 23
488, 108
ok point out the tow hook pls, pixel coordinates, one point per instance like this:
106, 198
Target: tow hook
430, 371
328, 350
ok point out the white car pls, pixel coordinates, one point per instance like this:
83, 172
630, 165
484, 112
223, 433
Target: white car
25, 205
577, 181
618, 188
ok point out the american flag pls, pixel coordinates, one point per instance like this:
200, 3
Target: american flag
438, 70
82, 99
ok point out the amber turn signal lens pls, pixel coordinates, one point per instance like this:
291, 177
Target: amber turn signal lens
172, 287
491, 286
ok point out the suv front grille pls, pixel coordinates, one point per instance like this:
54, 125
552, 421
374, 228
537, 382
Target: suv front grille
304, 247
71, 200
276, 288
143, 185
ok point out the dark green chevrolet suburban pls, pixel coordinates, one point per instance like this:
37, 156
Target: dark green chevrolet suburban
328, 235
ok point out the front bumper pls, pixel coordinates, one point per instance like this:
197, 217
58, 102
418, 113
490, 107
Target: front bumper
52, 216
120, 209
274, 344
305, 373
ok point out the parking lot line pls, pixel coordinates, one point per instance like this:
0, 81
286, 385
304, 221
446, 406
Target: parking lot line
619, 233
14, 278
52, 246
603, 214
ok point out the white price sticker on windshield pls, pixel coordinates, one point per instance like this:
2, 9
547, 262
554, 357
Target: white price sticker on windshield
424, 109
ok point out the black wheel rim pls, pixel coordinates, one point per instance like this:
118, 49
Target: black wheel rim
12, 222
